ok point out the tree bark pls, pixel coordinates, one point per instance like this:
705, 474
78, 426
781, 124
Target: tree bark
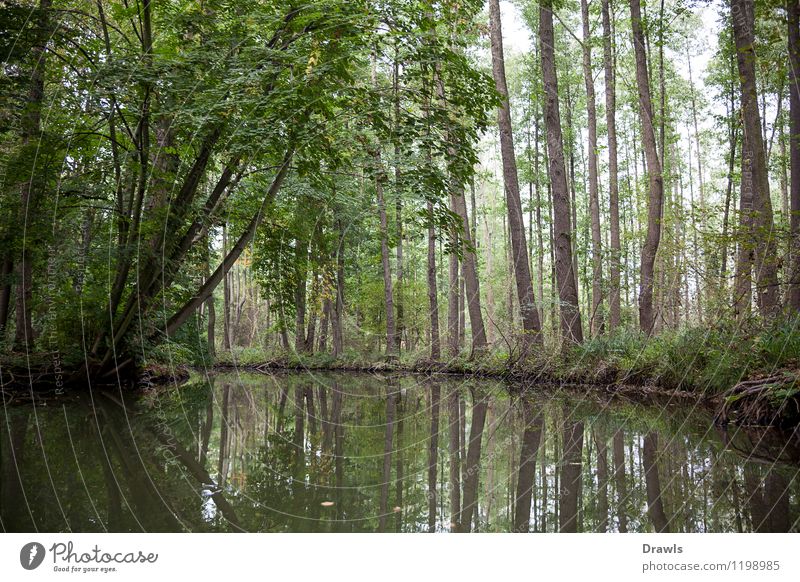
522, 273
433, 292
338, 304
565, 273
30, 123
655, 178
596, 318
754, 169
613, 179
793, 12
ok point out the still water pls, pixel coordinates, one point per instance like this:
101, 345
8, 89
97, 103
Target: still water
347, 452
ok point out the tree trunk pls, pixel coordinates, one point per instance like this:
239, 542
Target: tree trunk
522, 272
212, 314
596, 318
433, 293
6, 272
754, 169
454, 285
301, 267
338, 305
655, 178
471, 283
793, 12
30, 124
398, 208
226, 296
565, 274
613, 179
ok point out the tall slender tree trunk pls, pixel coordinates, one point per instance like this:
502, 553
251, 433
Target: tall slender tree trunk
565, 273
30, 123
522, 272
655, 178
398, 207
433, 292
793, 12
754, 169
613, 180
211, 310
338, 304
596, 318
453, 289
226, 296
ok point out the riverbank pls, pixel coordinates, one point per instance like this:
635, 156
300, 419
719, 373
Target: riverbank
747, 376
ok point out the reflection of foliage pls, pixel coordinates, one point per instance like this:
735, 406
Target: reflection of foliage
271, 487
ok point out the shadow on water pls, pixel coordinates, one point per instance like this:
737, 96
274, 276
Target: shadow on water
360, 452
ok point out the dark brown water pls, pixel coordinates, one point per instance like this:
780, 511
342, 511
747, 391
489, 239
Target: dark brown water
356, 452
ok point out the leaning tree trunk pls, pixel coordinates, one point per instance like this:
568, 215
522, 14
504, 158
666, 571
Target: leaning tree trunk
596, 318
793, 12
522, 271
565, 272
655, 178
613, 183
754, 167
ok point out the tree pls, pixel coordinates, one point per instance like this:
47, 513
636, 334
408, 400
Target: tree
655, 199
596, 317
571, 329
613, 178
519, 246
755, 179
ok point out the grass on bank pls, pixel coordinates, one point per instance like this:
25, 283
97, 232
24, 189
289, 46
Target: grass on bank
703, 360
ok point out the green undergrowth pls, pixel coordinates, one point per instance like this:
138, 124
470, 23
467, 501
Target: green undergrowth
707, 360
703, 360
